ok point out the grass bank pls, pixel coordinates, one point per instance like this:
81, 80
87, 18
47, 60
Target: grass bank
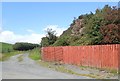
6, 47
6, 56
34, 54
6, 51
0, 56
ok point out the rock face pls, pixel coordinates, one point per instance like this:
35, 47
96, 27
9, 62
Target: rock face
72, 35
77, 27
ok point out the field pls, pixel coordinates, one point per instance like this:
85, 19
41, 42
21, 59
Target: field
6, 51
5, 47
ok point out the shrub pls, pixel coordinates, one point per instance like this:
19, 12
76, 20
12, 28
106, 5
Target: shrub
63, 41
111, 34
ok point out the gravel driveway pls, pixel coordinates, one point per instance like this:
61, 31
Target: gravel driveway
28, 69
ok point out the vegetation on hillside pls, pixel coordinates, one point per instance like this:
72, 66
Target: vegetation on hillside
101, 27
5, 47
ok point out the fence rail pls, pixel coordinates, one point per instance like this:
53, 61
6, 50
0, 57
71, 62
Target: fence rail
100, 56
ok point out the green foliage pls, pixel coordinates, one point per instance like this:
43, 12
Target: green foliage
35, 54
67, 32
92, 33
1, 55
44, 42
21, 46
7, 51
49, 39
51, 35
102, 27
6, 56
63, 41
5, 47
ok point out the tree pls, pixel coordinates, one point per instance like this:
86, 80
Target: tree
51, 35
44, 42
49, 39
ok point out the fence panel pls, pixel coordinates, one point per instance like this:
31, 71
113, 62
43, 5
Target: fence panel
65, 54
58, 51
100, 56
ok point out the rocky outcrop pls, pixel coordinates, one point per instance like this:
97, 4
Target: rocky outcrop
77, 27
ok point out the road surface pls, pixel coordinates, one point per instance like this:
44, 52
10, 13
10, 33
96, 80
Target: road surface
29, 69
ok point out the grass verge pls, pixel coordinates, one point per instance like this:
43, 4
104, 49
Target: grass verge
108, 70
20, 58
6, 56
1, 56
35, 54
62, 68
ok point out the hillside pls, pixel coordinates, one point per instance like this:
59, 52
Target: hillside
5, 47
102, 27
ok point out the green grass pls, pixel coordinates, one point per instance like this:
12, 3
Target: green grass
1, 56
6, 56
6, 51
5, 47
35, 54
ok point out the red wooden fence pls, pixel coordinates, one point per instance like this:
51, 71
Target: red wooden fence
100, 56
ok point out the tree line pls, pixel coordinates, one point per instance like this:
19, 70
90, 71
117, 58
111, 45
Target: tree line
22, 46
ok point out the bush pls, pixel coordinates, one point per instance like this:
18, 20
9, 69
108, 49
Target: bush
5, 47
111, 34
63, 41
